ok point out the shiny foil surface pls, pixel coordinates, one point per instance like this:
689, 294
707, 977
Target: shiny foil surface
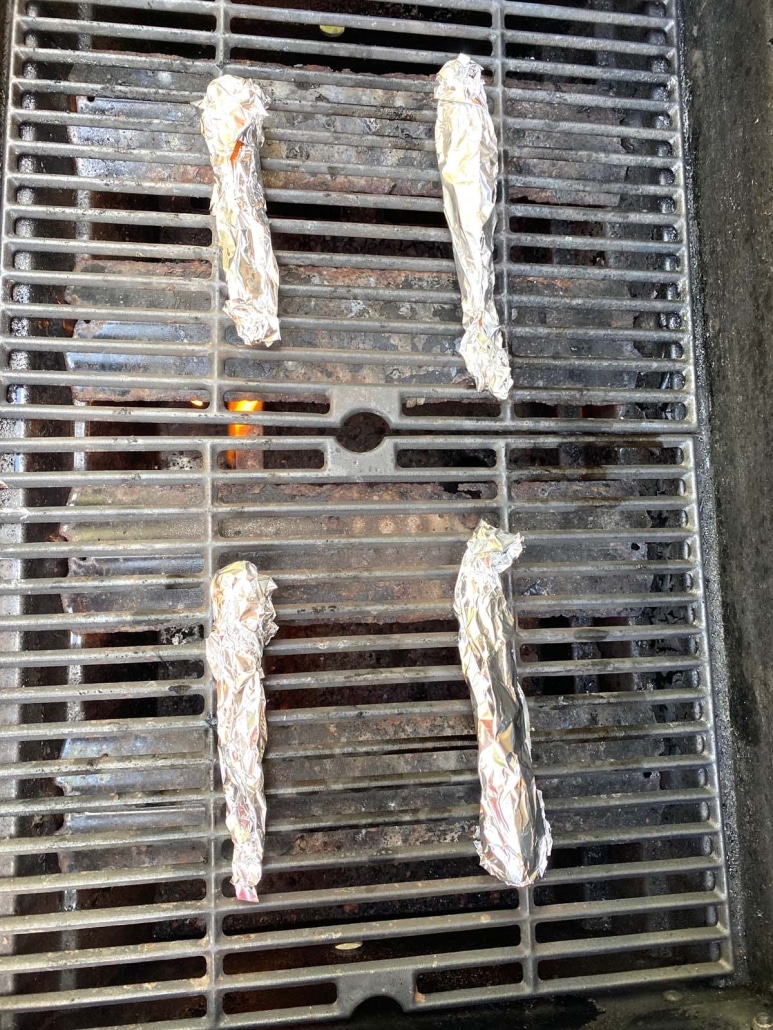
514, 839
242, 624
466, 146
232, 114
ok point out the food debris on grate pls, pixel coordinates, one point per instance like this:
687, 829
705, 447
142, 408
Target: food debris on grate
365, 462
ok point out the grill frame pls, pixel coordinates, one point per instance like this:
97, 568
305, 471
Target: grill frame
369, 464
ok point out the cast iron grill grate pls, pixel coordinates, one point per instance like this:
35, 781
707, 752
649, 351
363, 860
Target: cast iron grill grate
356, 483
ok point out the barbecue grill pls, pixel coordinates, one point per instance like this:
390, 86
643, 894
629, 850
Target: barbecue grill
146, 448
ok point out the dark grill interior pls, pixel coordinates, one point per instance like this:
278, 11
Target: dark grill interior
356, 486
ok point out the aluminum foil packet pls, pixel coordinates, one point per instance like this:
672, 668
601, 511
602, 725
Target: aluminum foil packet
513, 839
232, 114
468, 159
242, 624
466, 145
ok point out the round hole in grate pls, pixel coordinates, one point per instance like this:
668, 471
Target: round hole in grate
362, 431
382, 1007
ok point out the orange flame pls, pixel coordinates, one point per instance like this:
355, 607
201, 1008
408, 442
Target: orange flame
243, 405
238, 429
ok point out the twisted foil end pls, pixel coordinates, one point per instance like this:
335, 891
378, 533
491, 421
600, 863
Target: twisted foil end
461, 81
489, 553
243, 623
513, 839
483, 350
232, 109
468, 159
232, 114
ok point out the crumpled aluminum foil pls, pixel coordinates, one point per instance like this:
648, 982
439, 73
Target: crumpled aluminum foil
232, 114
513, 839
466, 146
242, 624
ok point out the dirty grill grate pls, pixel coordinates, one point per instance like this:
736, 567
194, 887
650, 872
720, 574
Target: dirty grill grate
593, 274
356, 485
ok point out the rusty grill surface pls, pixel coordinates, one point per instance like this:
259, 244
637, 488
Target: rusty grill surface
355, 482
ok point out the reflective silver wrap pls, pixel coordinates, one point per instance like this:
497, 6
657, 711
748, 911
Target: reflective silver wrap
467, 155
514, 838
232, 114
242, 624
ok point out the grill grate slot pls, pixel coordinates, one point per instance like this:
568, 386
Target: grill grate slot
355, 485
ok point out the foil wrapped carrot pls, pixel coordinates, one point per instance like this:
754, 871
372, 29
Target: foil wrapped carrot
232, 115
514, 838
242, 624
